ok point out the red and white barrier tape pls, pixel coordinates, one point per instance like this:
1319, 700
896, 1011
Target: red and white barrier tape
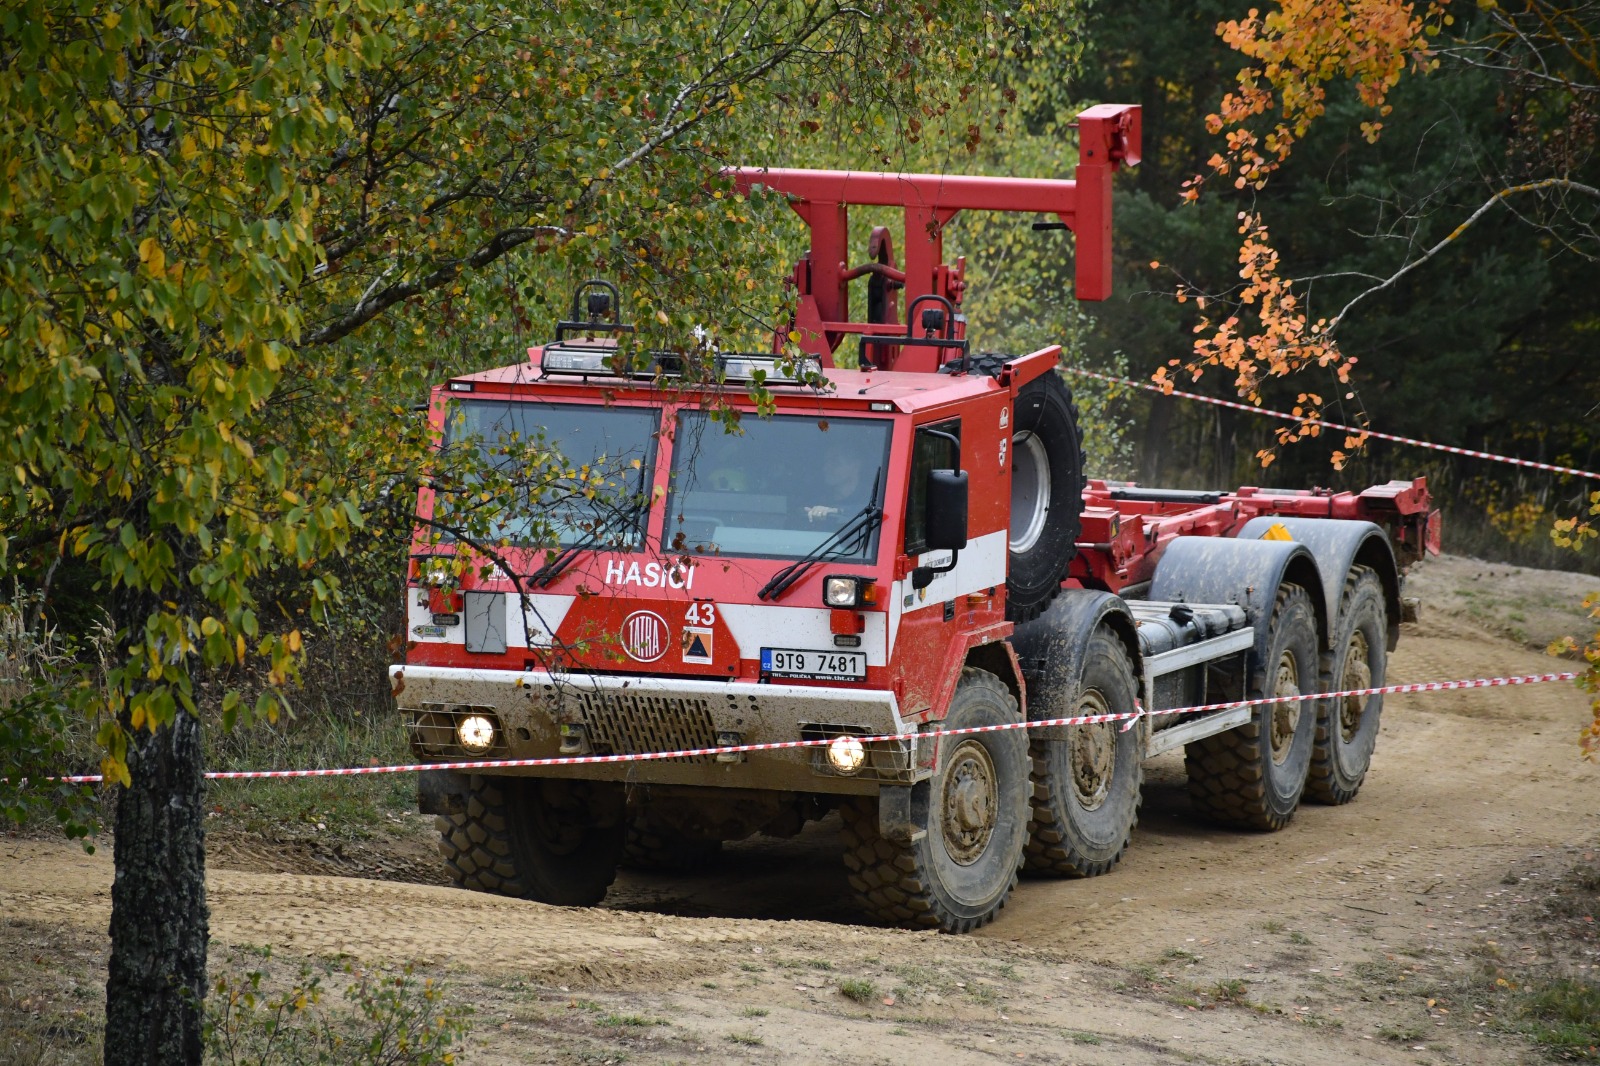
1235, 405
1092, 719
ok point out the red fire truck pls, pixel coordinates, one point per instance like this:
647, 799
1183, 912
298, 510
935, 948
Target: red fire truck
904, 545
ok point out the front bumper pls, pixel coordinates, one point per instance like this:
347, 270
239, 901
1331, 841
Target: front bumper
596, 714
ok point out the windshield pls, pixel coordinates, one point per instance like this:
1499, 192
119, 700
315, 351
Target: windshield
556, 474
780, 489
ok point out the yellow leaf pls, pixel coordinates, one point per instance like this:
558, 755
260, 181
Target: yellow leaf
151, 255
115, 770
294, 640
186, 148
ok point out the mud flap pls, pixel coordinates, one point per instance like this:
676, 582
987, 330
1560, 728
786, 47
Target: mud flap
903, 812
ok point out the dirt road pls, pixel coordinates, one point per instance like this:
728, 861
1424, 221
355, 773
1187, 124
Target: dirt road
1361, 933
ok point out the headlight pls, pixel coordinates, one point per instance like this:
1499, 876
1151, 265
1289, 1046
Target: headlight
848, 591
476, 733
847, 754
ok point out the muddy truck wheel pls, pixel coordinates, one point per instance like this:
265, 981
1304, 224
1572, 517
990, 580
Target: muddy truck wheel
974, 812
1347, 729
1047, 483
1253, 776
1087, 780
556, 842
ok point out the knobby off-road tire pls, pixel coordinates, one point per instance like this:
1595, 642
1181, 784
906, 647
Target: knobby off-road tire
662, 849
1047, 483
1088, 784
960, 874
1347, 729
535, 839
1253, 776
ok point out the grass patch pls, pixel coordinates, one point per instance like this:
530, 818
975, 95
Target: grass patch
984, 994
1297, 937
858, 989
1232, 990
915, 977
1147, 974
929, 1021
35, 1029
1085, 1038
1563, 1015
349, 807
628, 1021
754, 1012
747, 1039
388, 1017
1585, 878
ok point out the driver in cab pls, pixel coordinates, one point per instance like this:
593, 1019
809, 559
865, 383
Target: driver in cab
843, 490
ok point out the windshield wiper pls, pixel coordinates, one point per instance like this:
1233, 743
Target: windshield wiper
858, 529
546, 575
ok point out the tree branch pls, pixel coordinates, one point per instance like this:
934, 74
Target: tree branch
373, 304
1499, 197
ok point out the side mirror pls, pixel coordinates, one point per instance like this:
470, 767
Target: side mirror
946, 522
946, 510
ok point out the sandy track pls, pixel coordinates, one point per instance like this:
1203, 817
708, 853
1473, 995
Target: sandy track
1472, 799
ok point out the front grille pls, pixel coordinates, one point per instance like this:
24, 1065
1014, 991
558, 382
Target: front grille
632, 723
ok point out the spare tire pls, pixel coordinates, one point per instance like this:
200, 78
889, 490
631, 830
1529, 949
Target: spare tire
1047, 482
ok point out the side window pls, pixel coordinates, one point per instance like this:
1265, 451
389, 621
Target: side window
932, 450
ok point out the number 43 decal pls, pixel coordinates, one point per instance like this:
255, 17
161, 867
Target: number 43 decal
701, 614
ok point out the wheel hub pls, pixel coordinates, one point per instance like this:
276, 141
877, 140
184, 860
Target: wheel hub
1357, 674
1030, 490
1094, 754
1285, 716
970, 801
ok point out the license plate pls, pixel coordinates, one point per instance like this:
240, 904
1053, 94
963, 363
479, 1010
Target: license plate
814, 665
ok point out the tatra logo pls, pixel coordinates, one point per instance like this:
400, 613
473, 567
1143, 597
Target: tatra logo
644, 636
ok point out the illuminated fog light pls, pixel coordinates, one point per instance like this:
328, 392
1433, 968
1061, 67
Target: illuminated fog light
476, 733
847, 754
